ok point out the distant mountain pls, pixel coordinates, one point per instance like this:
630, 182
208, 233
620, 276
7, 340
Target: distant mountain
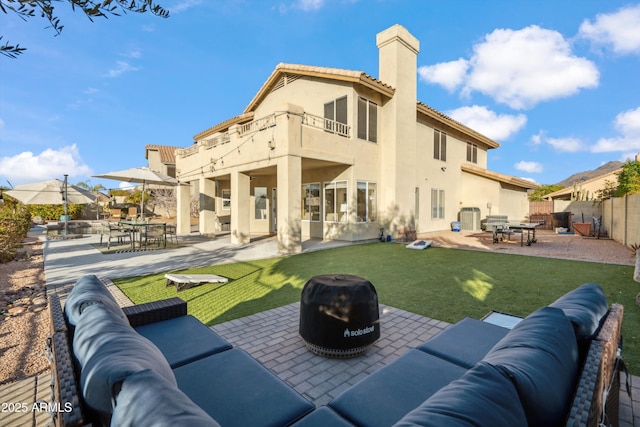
583, 176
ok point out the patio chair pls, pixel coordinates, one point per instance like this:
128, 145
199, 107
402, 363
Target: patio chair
153, 234
116, 214
113, 231
132, 213
172, 233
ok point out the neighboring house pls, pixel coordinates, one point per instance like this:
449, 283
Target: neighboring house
337, 154
588, 189
161, 158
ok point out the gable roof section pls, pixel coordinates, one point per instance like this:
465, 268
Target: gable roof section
448, 121
499, 177
223, 126
359, 77
167, 152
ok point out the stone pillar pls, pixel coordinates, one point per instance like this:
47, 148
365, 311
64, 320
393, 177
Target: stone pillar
207, 207
183, 209
240, 209
289, 181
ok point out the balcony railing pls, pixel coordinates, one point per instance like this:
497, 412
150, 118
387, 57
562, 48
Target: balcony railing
223, 138
186, 152
327, 125
257, 125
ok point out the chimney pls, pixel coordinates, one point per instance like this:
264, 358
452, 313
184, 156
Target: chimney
398, 67
398, 60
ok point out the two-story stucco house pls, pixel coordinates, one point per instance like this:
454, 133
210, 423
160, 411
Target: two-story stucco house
337, 154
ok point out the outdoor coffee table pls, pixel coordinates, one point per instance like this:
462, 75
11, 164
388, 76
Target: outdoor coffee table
186, 281
339, 315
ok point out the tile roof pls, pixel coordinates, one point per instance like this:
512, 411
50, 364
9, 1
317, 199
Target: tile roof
167, 152
500, 177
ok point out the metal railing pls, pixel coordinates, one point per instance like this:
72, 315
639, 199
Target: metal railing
221, 139
327, 125
257, 125
189, 151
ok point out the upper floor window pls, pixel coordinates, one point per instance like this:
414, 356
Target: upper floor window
472, 152
335, 112
367, 120
439, 145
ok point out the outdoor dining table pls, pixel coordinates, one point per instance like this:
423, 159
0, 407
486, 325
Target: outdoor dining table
133, 225
529, 228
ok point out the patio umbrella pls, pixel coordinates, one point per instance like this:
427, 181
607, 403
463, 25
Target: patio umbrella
52, 192
143, 176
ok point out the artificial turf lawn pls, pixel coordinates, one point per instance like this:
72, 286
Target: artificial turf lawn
444, 284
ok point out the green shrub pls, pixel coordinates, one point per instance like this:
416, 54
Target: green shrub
14, 225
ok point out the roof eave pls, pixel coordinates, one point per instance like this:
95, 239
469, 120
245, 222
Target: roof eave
448, 121
495, 176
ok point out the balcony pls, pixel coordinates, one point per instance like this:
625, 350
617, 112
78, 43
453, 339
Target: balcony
327, 125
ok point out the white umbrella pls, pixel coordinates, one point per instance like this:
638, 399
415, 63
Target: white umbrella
50, 193
143, 176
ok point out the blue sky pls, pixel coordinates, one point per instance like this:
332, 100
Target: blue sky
556, 83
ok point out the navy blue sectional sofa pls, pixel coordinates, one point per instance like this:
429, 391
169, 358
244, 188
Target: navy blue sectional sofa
153, 364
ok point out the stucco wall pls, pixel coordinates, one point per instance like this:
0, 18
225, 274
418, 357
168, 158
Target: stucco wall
621, 217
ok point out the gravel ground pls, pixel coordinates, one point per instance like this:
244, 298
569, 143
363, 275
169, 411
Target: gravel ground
23, 335
24, 321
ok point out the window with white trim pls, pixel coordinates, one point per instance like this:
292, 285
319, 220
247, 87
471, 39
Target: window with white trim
367, 120
366, 201
437, 203
260, 196
472, 152
311, 202
335, 111
336, 208
439, 145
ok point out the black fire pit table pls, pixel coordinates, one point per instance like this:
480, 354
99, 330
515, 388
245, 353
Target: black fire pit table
339, 315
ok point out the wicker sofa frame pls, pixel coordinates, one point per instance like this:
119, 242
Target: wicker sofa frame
64, 386
599, 380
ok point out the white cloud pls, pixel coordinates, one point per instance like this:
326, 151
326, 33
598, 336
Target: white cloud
628, 124
524, 67
529, 167
618, 30
310, 5
121, 68
568, 145
28, 167
519, 68
487, 122
448, 74
183, 5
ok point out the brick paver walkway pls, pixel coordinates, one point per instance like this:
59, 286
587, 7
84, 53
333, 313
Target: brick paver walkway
272, 338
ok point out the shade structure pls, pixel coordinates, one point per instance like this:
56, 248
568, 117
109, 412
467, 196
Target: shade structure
50, 193
142, 176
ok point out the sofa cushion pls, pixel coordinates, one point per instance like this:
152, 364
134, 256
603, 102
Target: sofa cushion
387, 395
540, 355
109, 350
234, 389
585, 307
466, 342
146, 398
89, 290
484, 396
183, 339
